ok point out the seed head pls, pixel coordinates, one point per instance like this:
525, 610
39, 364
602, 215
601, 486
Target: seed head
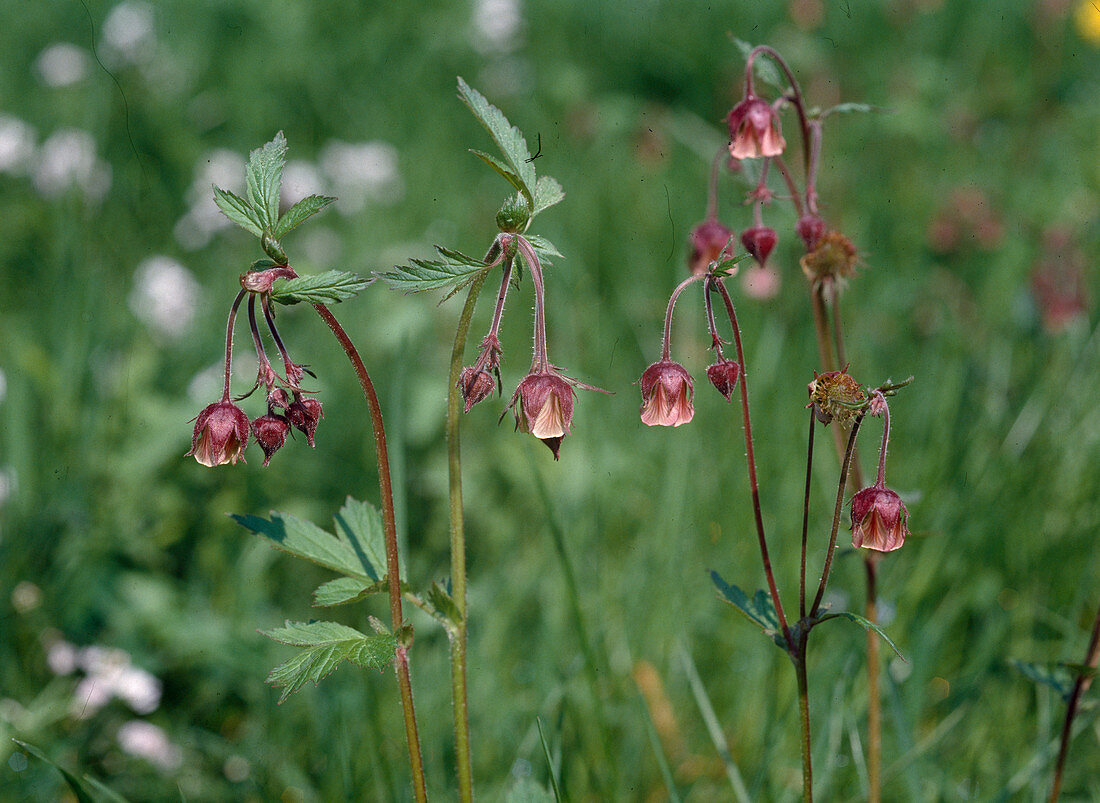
835, 396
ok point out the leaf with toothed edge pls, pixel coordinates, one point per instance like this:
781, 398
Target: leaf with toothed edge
330, 287
239, 211
300, 212
507, 137
264, 177
547, 193
455, 268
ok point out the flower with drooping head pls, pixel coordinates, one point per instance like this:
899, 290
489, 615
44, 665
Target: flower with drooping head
543, 405
811, 229
708, 243
667, 391
304, 413
879, 519
270, 431
723, 375
754, 129
221, 433
759, 242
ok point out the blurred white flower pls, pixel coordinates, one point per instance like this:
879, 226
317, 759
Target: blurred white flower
222, 168
497, 25
128, 32
145, 740
165, 295
16, 145
301, 179
68, 158
62, 64
361, 172
61, 657
26, 596
110, 674
237, 769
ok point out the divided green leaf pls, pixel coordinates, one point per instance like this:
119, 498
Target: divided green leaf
454, 268
848, 108
264, 177
304, 539
327, 645
330, 287
359, 525
239, 211
442, 606
300, 212
759, 609
547, 193
1055, 676
866, 624
544, 248
506, 173
507, 137
343, 590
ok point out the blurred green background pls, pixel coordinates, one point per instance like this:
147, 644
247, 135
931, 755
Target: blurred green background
128, 598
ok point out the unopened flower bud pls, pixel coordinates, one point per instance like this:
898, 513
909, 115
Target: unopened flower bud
514, 215
879, 519
476, 384
835, 396
878, 404
708, 244
759, 242
270, 431
811, 229
723, 375
833, 259
221, 433
278, 398
304, 413
543, 405
667, 392
754, 129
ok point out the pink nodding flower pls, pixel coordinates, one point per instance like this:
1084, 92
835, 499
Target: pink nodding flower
879, 519
666, 395
543, 405
221, 433
754, 130
304, 413
759, 242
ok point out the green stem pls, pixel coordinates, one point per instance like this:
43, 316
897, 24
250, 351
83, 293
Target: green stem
458, 549
804, 717
1092, 659
393, 572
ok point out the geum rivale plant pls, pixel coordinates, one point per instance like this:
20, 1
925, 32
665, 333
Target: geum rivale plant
542, 402
879, 518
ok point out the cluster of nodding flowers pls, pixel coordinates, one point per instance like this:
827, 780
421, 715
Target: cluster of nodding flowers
222, 428
543, 401
879, 517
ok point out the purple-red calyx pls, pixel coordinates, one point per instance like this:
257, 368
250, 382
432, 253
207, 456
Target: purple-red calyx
754, 129
304, 413
723, 375
270, 431
543, 405
759, 242
667, 392
221, 433
879, 519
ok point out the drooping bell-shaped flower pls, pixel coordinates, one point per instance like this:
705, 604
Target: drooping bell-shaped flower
754, 130
543, 406
221, 433
667, 392
879, 519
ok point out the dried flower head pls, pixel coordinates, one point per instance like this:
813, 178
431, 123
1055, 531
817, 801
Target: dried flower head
754, 129
221, 433
708, 244
879, 519
836, 396
667, 392
833, 259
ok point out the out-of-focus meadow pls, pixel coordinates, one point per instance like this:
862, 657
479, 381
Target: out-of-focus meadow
130, 602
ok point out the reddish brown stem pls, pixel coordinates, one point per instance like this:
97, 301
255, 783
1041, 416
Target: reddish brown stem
1080, 686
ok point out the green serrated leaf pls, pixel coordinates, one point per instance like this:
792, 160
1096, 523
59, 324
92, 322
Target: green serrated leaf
300, 212
442, 606
264, 177
344, 590
759, 609
866, 624
359, 525
239, 211
507, 174
1056, 677
330, 287
544, 248
848, 108
327, 645
547, 193
507, 137
304, 539
428, 274
765, 69
75, 784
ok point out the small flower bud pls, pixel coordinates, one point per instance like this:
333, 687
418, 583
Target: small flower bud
723, 375
754, 130
667, 392
811, 229
543, 405
708, 244
270, 431
304, 413
759, 242
514, 215
832, 260
278, 398
476, 384
879, 519
835, 396
221, 433
878, 404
